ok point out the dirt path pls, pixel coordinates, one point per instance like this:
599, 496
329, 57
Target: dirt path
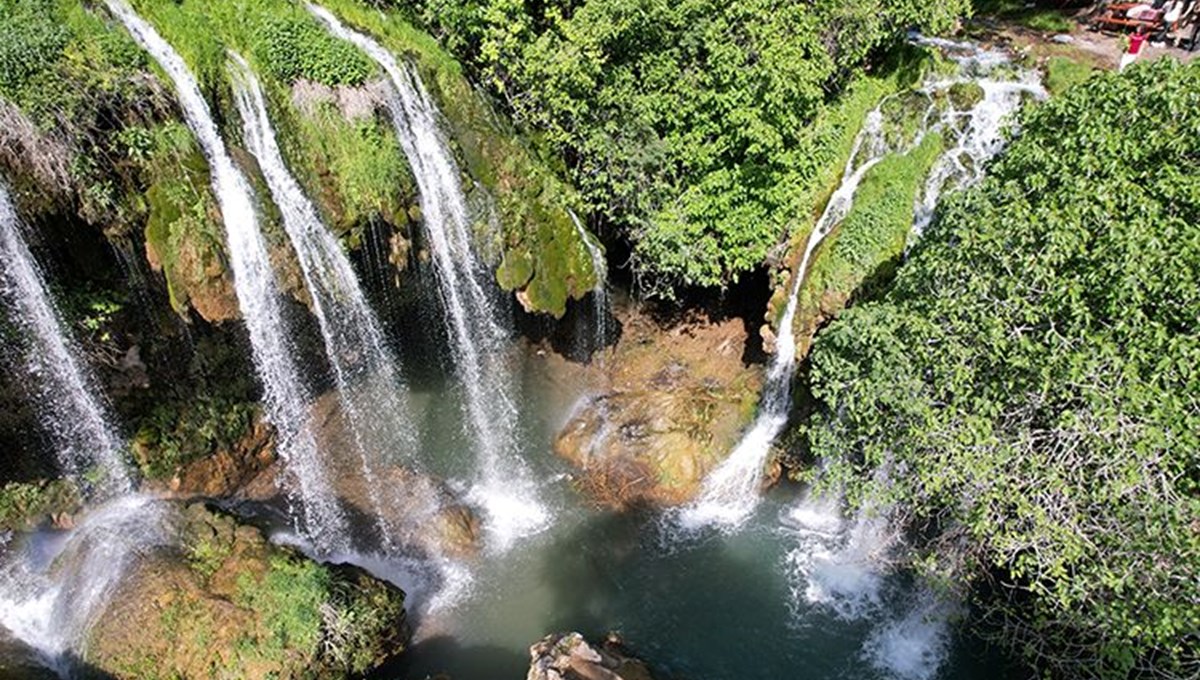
1102, 50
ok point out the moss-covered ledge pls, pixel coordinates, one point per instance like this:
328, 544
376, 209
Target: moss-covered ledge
538, 251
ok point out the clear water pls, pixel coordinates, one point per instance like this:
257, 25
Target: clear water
718, 605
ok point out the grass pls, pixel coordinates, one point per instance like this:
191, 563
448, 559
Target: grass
1063, 73
868, 243
1035, 18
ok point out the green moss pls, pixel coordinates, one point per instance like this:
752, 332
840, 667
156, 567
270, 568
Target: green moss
23, 504
964, 96
178, 432
184, 237
355, 169
540, 249
867, 245
288, 598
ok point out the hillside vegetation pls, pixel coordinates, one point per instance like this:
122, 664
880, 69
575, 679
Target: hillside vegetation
1031, 383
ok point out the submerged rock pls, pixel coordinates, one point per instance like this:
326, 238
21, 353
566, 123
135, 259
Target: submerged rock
216, 599
672, 405
567, 656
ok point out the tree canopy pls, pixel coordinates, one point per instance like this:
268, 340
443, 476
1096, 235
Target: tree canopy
683, 122
1032, 382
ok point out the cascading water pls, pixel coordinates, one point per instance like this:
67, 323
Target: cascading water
730, 492
368, 385
286, 399
840, 563
980, 131
504, 489
68, 404
54, 586
600, 290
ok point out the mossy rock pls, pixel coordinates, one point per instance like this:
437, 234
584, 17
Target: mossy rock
220, 601
964, 96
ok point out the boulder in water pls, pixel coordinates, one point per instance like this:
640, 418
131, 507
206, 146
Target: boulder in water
567, 656
672, 405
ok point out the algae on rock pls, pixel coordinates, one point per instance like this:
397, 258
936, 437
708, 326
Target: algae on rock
223, 602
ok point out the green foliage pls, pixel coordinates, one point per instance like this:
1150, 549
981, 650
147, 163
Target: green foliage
294, 47
358, 164
866, 247
30, 42
1033, 374
23, 503
1027, 14
283, 38
685, 123
288, 598
175, 433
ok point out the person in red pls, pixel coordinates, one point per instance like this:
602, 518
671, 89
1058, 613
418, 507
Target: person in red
1135, 46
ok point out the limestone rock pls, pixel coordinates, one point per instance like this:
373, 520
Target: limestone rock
567, 656
672, 405
218, 600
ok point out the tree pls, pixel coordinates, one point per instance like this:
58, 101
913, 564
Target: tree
683, 122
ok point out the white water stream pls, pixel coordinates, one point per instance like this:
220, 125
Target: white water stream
285, 397
368, 383
600, 302
504, 489
68, 404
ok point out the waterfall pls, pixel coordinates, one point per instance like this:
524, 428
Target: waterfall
68, 402
840, 563
285, 396
504, 489
600, 290
368, 385
55, 585
730, 492
982, 128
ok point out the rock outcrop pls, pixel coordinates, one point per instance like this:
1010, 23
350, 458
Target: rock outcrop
567, 656
672, 405
217, 600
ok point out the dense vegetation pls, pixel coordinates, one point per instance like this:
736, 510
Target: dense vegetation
685, 124
1031, 383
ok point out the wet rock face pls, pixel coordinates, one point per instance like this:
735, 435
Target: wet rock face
228, 470
19, 661
218, 600
567, 656
419, 513
671, 405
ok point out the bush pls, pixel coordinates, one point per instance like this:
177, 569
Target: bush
1031, 379
294, 47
